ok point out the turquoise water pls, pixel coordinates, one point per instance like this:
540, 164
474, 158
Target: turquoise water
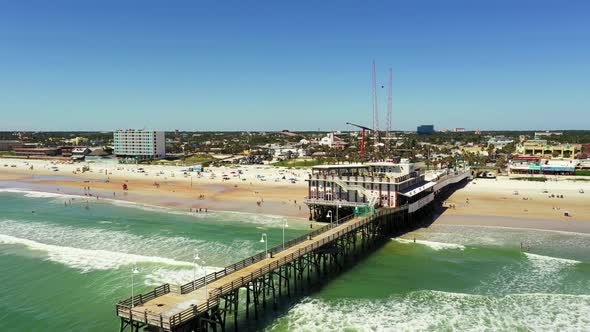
62, 268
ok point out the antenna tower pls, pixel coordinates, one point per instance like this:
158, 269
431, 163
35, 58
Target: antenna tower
375, 107
389, 101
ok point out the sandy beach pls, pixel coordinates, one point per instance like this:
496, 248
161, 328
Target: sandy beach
253, 189
501, 202
506, 202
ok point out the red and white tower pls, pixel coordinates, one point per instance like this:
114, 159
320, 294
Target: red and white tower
375, 107
389, 102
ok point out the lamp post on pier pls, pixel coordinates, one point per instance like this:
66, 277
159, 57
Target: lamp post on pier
285, 225
329, 215
134, 271
202, 266
264, 239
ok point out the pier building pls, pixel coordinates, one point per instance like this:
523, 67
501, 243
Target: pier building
214, 302
372, 185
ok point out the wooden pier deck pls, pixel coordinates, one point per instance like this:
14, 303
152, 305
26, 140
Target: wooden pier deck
172, 308
169, 308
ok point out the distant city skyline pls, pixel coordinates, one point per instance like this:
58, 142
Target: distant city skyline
302, 66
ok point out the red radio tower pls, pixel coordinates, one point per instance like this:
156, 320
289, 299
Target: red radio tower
375, 107
389, 101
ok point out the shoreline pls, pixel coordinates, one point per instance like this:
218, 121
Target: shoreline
269, 191
132, 203
574, 227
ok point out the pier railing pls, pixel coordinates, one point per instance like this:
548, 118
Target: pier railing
215, 294
200, 282
128, 309
126, 305
142, 298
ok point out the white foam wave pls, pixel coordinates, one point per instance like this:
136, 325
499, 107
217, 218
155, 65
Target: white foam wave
100, 239
97, 238
527, 229
87, 260
38, 194
552, 260
537, 273
154, 208
434, 310
266, 220
242, 217
161, 275
431, 244
545, 266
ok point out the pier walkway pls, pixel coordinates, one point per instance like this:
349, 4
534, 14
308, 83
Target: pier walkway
198, 304
171, 309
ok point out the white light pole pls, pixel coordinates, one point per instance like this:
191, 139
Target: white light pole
284, 226
264, 239
195, 259
133, 272
329, 215
337, 207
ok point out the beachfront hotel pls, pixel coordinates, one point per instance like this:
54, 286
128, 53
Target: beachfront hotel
139, 144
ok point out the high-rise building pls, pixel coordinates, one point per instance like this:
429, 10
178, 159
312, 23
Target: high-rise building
139, 144
425, 129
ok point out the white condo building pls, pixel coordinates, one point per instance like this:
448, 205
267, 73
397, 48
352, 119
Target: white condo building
139, 144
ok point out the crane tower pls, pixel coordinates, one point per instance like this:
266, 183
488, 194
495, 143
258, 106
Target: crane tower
375, 106
389, 102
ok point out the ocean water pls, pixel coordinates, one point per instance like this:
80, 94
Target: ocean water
62, 268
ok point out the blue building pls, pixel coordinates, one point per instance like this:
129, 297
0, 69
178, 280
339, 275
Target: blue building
425, 129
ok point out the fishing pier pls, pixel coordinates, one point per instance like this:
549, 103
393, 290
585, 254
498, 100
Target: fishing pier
212, 302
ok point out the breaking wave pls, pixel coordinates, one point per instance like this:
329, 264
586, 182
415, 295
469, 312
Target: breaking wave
90, 249
38, 194
435, 310
431, 244
87, 260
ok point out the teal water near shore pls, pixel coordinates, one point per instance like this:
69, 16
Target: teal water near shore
62, 268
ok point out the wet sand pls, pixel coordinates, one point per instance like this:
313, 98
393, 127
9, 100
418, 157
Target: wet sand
485, 202
521, 204
282, 200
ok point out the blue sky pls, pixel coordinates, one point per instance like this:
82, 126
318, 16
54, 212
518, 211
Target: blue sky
299, 65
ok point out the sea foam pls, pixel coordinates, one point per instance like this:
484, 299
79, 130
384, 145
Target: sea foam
87, 260
535, 274
265, 220
39, 194
435, 310
77, 247
431, 244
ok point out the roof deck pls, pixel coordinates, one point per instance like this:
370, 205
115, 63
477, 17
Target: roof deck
376, 169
